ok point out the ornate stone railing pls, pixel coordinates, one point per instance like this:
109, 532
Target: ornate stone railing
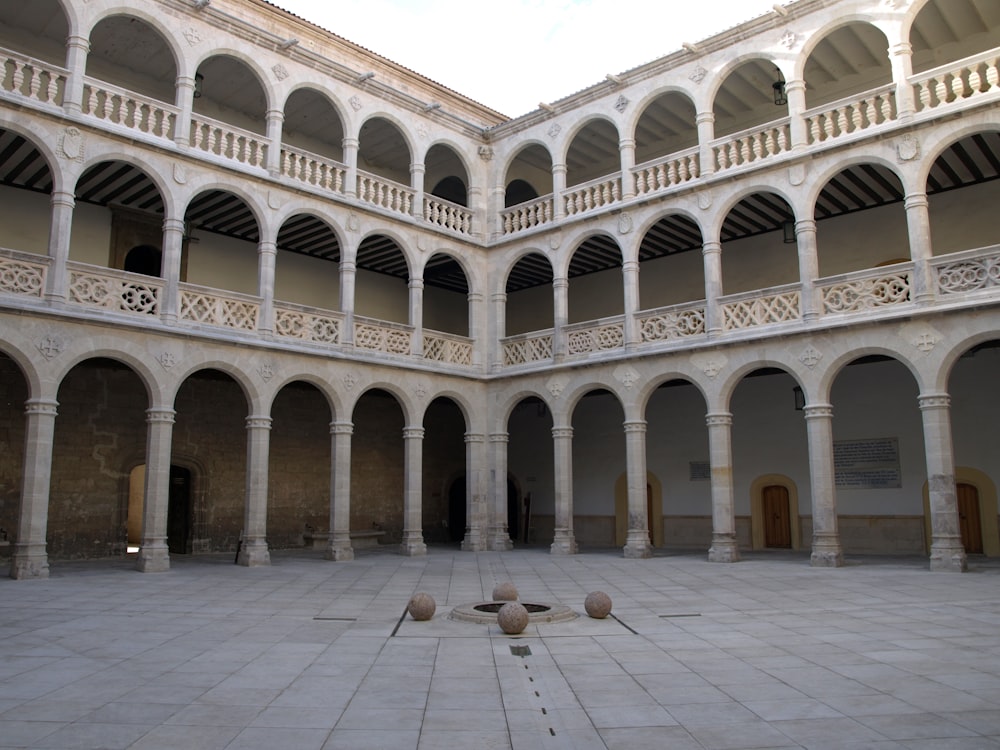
210, 307
594, 194
229, 142
761, 308
851, 115
311, 169
751, 145
129, 110
963, 79
866, 290
969, 271
659, 175
526, 215
22, 273
595, 336
34, 79
447, 215
447, 348
384, 193
527, 347
674, 322
379, 336
306, 324
115, 290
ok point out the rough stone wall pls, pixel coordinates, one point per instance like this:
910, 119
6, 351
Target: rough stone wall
13, 394
377, 467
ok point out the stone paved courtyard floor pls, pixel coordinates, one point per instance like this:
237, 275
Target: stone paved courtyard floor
309, 654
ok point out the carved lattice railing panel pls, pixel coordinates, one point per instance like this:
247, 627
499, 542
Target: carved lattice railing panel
298, 323
595, 336
752, 146
129, 110
867, 291
32, 78
530, 347
760, 310
972, 77
310, 169
384, 193
229, 142
527, 215
214, 309
118, 291
969, 272
596, 194
382, 337
447, 215
675, 170
453, 350
851, 116
666, 324
22, 273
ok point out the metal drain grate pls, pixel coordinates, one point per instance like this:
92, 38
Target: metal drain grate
521, 650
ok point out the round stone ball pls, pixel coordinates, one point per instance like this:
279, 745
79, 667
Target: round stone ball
512, 618
505, 592
598, 605
421, 606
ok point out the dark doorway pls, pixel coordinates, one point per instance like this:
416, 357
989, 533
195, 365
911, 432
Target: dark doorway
179, 511
513, 511
456, 510
144, 259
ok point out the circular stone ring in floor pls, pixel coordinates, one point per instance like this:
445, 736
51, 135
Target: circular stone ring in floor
485, 613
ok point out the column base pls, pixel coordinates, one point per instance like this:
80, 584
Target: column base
724, 549
29, 561
826, 552
473, 541
339, 548
413, 544
564, 543
253, 553
153, 558
637, 545
499, 539
948, 555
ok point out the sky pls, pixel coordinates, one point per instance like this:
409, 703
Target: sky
511, 55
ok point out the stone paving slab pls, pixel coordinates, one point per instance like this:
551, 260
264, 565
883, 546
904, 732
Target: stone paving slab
306, 653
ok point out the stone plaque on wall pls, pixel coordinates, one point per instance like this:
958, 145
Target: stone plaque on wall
699, 471
871, 464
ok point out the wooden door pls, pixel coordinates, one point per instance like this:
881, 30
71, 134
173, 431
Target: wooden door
777, 518
968, 518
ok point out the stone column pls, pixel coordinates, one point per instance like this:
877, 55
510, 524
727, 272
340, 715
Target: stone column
77, 48
173, 250
478, 328
826, 549
630, 279
413, 531
564, 542
706, 134
475, 493
340, 548
724, 547
253, 550
626, 148
417, 183
918, 225
560, 301
154, 556
351, 146
637, 542
499, 323
267, 253
499, 532
275, 121
711, 253
348, 275
28, 556
57, 279
795, 90
417, 316
184, 101
558, 188
947, 550
805, 237
901, 61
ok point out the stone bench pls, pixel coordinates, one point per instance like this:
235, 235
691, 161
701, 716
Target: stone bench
359, 539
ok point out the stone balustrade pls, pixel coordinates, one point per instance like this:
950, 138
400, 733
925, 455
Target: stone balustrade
221, 309
591, 195
447, 348
380, 336
972, 77
314, 170
526, 348
850, 115
862, 291
378, 191
305, 324
761, 308
229, 142
447, 215
33, 79
527, 215
114, 290
128, 110
661, 174
672, 322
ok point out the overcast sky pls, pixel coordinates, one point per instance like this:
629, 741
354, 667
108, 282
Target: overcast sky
513, 54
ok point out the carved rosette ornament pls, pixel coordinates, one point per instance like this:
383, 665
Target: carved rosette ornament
192, 36
622, 103
486, 153
709, 364
167, 360
921, 336
698, 74
51, 346
355, 102
266, 371
280, 72
789, 39
556, 386
810, 356
350, 380
555, 130
627, 376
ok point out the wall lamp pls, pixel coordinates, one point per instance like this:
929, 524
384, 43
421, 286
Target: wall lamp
780, 97
788, 232
198, 80
800, 398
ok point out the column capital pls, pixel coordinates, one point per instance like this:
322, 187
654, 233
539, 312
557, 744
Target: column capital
341, 428
562, 433
413, 433
704, 117
258, 422
931, 401
160, 415
915, 200
901, 49
475, 437
44, 406
713, 419
818, 411
499, 437
635, 425
805, 225
711, 248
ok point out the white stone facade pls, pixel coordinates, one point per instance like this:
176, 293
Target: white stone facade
616, 295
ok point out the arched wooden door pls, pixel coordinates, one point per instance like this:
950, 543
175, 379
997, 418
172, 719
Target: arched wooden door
777, 517
969, 520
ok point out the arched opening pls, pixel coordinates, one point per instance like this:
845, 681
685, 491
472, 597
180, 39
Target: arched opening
307, 268
128, 52
671, 267
596, 289
144, 259
756, 253
666, 126
519, 191
377, 467
445, 513
746, 98
531, 169
383, 151
849, 60
593, 153
312, 125
529, 296
598, 459
228, 90
531, 466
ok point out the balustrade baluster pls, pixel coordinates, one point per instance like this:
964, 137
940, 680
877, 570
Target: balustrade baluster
941, 91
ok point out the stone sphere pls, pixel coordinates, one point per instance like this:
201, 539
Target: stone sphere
598, 605
505, 592
421, 606
512, 618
